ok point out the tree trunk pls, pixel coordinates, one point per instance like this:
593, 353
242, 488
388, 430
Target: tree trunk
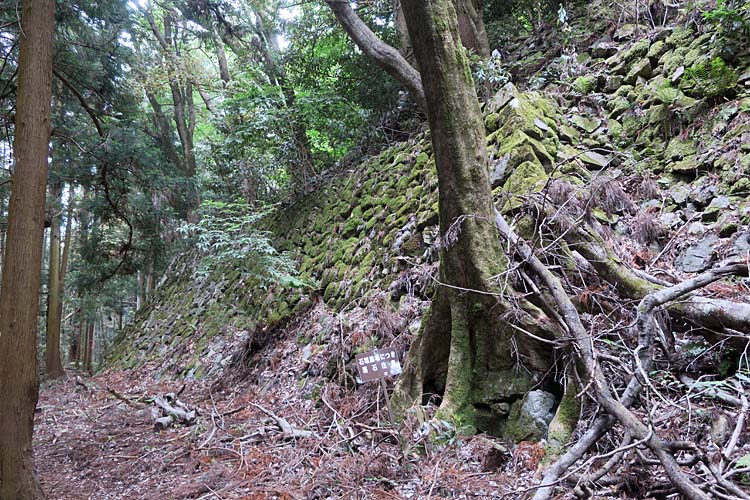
303, 166
89, 360
19, 296
471, 27
53, 363
463, 350
68, 239
222, 58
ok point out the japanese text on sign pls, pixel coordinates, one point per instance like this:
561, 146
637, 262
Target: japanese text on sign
379, 363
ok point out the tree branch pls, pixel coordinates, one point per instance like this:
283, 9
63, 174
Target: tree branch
385, 56
81, 99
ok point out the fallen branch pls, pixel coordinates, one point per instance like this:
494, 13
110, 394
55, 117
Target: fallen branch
170, 410
289, 431
133, 404
646, 329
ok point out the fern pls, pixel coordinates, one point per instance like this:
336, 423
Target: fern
227, 237
711, 79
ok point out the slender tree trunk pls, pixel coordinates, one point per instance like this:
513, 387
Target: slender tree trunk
463, 350
304, 168
68, 239
90, 332
53, 363
222, 58
19, 295
139, 291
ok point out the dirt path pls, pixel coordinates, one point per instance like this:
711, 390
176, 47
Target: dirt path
90, 445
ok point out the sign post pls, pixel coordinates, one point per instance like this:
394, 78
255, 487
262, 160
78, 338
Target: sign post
377, 365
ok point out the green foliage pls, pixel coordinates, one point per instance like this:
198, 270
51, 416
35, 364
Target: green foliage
732, 18
227, 237
742, 462
711, 79
492, 71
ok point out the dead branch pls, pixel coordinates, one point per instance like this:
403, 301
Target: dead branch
646, 329
289, 431
133, 404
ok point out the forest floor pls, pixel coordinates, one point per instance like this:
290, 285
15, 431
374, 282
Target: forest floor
91, 445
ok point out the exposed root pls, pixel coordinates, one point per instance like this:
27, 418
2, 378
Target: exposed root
617, 406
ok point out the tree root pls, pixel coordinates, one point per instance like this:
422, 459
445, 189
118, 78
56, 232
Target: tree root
616, 408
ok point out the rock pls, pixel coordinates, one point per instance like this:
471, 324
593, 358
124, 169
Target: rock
696, 229
728, 229
679, 148
672, 220
677, 74
641, 68
498, 171
625, 32
594, 160
529, 419
697, 257
541, 125
614, 128
618, 106
716, 207
679, 193
657, 114
613, 83
507, 94
741, 245
588, 125
602, 50
584, 84
569, 134
656, 50
686, 166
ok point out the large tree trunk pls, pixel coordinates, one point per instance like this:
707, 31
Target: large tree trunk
52, 359
463, 350
19, 296
471, 27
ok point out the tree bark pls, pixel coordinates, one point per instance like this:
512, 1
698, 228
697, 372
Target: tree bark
53, 363
19, 296
385, 56
463, 338
471, 27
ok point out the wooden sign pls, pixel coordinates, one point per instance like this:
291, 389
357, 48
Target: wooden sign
378, 364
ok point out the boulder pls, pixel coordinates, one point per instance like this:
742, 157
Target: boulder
529, 419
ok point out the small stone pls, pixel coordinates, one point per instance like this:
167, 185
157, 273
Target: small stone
588, 125
624, 32
541, 125
640, 69
671, 220
618, 106
613, 83
656, 50
593, 159
728, 229
679, 193
569, 134
603, 50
